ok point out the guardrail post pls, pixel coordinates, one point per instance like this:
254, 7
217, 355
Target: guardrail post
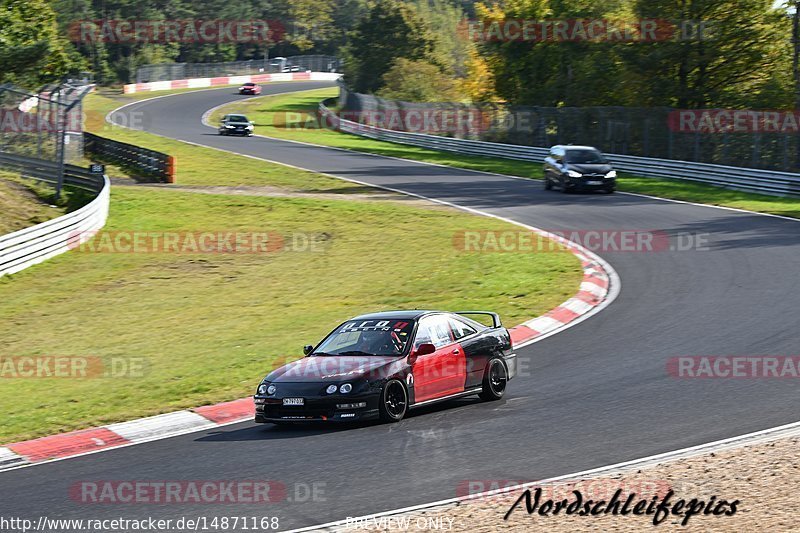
171, 169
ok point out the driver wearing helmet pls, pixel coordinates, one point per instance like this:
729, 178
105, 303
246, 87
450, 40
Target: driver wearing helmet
380, 342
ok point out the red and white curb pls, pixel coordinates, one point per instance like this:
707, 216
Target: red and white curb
197, 83
593, 291
124, 433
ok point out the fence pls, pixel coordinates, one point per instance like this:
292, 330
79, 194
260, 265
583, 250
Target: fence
144, 162
35, 244
642, 132
747, 179
45, 124
181, 71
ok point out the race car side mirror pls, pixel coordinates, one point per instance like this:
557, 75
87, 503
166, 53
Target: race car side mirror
307, 349
423, 349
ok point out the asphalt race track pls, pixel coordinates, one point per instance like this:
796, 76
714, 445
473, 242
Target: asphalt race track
596, 394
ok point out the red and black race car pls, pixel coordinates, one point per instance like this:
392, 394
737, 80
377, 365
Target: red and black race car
381, 365
250, 88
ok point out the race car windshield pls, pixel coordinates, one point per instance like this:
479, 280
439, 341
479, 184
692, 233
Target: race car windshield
384, 337
237, 118
586, 157
249, 84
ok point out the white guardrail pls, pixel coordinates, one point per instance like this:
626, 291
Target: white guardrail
745, 179
35, 244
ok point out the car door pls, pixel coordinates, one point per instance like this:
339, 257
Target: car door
476, 348
442, 372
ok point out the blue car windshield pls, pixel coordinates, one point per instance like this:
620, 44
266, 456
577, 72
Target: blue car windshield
385, 337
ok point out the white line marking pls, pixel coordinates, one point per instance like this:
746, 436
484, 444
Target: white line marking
160, 426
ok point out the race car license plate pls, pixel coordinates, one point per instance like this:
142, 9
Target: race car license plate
594, 183
293, 401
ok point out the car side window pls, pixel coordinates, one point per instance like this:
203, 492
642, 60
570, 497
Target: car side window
460, 329
434, 330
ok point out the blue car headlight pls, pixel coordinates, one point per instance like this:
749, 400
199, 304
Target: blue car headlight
331, 389
345, 388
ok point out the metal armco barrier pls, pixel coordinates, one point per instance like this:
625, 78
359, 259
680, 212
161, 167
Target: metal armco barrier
35, 244
745, 179
146, 163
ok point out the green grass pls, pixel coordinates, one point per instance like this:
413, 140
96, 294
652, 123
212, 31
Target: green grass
292, 116
25, 202
209, 326
204, 166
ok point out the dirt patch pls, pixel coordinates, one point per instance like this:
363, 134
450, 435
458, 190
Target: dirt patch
358, 194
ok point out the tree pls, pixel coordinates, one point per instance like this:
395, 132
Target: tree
417, 81
743, 43
389, 31
31, 50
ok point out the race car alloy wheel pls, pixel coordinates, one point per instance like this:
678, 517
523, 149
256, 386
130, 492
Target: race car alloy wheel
394, 401
494, 381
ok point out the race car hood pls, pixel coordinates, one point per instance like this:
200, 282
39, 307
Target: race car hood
335, 369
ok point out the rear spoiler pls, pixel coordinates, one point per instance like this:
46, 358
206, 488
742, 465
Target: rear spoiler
495, 317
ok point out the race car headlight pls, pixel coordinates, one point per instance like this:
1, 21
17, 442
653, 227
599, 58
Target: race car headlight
250, 127
271, 389
573, 174
331, 389
262, 389
229, 126
345, 388
611, 174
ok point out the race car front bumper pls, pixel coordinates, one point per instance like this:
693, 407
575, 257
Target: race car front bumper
328, 408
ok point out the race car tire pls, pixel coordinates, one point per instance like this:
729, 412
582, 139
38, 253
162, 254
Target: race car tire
548, 185
494, 381
394, 401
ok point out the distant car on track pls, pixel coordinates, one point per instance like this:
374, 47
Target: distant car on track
578, 168
250, 88
235, 125
380, 365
